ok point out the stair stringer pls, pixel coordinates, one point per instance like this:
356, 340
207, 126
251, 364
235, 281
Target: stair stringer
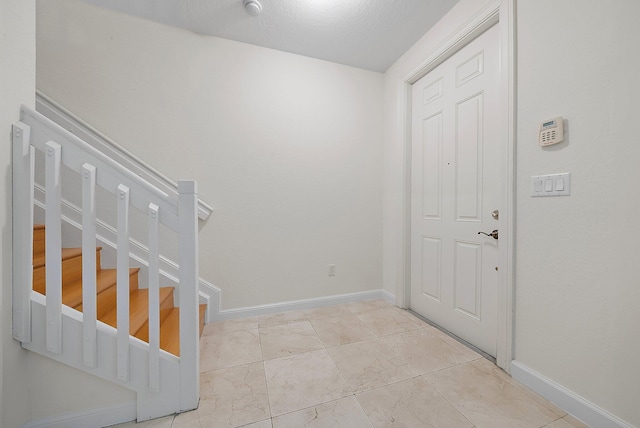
149, 404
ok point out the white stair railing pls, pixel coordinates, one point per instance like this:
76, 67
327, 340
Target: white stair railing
180, 214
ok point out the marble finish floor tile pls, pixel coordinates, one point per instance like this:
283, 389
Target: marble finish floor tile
282, 318
234, 396
560, 423
369, 364
450, 340
262, 424
426, 352
187, 420
489, 367
410, 403
230, 349
568, 422
387, 321
287, 339
302, 381
341, 329
368, 305
356, 365
342, 413
328, 311
229, 326
489, 401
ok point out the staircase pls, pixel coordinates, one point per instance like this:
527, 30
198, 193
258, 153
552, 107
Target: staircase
106, 294
104, 322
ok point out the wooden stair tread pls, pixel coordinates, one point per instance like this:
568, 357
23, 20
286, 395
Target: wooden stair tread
71, 268
138, 308
170, 330
67, 253
105, 278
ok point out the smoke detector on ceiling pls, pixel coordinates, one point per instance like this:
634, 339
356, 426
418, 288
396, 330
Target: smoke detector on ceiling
253, 7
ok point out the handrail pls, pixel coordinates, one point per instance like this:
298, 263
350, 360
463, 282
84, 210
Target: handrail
44, 130
80, 128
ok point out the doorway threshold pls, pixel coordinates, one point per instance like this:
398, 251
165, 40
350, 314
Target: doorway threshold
453, 336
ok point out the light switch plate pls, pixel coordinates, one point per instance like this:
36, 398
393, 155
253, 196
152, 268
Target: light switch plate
551, 185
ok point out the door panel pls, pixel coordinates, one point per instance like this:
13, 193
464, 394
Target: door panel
467, 286
432, 167
431, 257
455, 187
469, 159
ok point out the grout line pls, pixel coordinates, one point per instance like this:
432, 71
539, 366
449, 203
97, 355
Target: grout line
435, 387
266, 387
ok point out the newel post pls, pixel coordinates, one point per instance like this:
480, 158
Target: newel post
189, 322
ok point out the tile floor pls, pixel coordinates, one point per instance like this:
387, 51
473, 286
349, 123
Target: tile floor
364, 364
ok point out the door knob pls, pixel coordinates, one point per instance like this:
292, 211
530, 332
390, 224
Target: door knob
493, 234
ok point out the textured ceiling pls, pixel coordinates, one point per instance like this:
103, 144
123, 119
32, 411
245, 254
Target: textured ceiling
369, 34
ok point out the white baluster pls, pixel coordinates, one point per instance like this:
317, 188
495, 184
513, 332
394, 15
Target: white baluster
154, 299
122, 265
189, 322
89, 268
23, 172
53, 238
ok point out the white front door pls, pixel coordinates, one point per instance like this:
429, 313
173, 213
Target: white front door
455, 186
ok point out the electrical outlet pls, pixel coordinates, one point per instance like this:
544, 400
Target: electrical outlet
332, 270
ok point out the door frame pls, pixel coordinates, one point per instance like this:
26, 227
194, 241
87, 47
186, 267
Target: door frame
501, 13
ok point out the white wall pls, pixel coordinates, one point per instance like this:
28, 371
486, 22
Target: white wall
577, 273
17, 83
577, 294
287, 148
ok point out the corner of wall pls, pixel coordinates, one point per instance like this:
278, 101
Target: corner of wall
17, 68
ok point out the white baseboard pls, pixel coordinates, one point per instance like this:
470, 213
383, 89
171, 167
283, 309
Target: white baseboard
567, 400
303, 304
94, 418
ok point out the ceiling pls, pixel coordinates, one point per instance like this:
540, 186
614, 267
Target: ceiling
370, 34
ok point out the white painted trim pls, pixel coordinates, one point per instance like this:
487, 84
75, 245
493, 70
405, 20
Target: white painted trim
94, 418
499, 12
72, 215
294, 305
505, 350
388, 296
78, 127
22, 200
566, 399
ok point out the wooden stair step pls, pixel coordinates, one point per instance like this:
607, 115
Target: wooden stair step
38, 239
138, 308
67, 253
71, 267
106, 290
170, 330
106, 280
